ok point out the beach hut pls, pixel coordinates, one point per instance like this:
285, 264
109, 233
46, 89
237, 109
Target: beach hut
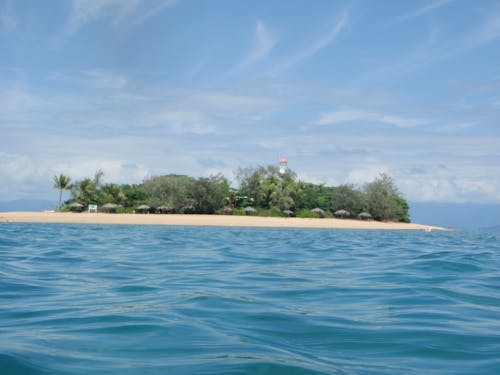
342, 214
164, 209
187, 209
76, 207
364, 216
289, 213
143, 208
318, 211
250, 210
227, 211
109, 208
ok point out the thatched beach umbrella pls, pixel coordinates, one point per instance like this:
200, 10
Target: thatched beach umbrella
289, 213
249, 210
318, 211
109, 207
342, 214
76, 207
143, 208
364, 216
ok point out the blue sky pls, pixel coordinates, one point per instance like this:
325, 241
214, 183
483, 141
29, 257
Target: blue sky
344, 89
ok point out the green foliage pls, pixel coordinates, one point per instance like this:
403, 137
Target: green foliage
84, 192
238, 212
346, 197
270, 212
135, 195
173, 191
210, 194
308, 195
306, 213
384, 201
264, 188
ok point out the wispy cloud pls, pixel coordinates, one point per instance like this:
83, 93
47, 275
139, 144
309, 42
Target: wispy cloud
430, 51
8, 18
96, 78
153, 11
264, 42
424, 10
346, 116
104, 79
315, 46
127, 13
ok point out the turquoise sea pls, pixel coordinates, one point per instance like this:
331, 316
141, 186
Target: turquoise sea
108, 299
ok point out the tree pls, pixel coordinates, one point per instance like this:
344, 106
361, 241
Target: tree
172, 190
62, 183
85, 191
111, 193
210, 194
384, 200
346, 197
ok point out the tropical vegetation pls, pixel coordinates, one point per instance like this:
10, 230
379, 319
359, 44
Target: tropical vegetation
261, 191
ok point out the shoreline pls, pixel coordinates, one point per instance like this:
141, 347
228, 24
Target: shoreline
205, 220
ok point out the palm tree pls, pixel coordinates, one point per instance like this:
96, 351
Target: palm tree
62, 183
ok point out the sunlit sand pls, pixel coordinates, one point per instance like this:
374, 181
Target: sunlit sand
203, 220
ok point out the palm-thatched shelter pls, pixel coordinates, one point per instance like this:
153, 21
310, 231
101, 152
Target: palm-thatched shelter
250, 210
289, 213
364, 216
341, 214
76, 207
318, 211
109, 208
143, 208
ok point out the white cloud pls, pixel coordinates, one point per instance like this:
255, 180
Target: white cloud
363, 175
451, 189
115, 171
315, 46
344, 116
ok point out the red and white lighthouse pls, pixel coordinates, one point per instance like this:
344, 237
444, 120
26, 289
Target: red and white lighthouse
283, 165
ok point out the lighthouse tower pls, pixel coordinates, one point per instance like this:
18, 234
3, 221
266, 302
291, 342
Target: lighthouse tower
283, 165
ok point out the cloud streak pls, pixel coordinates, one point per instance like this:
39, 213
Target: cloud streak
120, 13
347, 116
315, 46
264, 42
424, 10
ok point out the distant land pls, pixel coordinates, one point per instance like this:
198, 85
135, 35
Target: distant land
454, 215
28, 205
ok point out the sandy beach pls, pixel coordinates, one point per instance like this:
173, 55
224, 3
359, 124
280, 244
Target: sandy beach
203, 220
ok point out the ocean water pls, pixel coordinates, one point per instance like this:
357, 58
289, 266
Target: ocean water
107, 299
